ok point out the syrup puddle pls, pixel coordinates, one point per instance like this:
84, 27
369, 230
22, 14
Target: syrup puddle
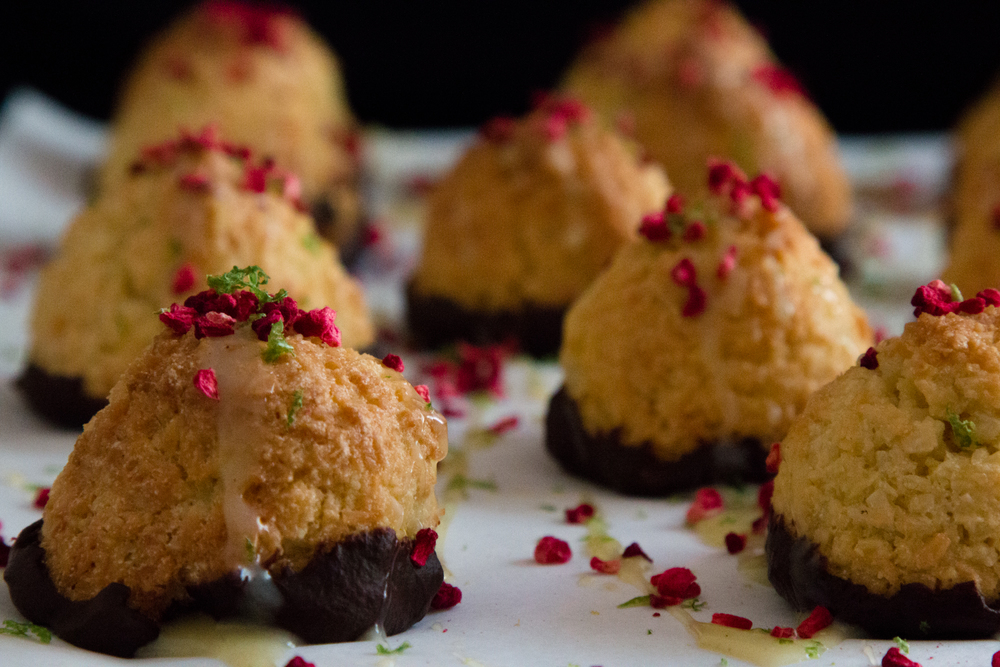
235, 644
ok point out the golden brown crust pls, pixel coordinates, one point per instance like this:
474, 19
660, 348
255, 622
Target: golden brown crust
873, 473
96, 304
776, 328
284, 99
165, 482
529, 220
692, 76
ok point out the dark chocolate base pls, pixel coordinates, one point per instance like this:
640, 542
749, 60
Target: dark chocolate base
345, 589
637, 471
58, 398
799, 573
345, 233
436, 321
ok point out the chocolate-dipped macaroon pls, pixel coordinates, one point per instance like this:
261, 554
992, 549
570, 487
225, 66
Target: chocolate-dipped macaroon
695, 350
528, 217
190, 207
886, 505
246, 465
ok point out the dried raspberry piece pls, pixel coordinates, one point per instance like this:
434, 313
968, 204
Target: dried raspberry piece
782, 633
579, 514
895, 658
605, 566
707, 503
663, 601
732, 621
779, 80
205, 382
675, 203
972, 306
759, 525
4, 553
246, 305
695, 231
210, 301
480, 368
695, 304
299, 661
764, 495
768, 190
255, 179
423, 392
423, 546
193, 182
289, 309
504, 425
447, 597
552, 551
41, 498
990, 296
554, 127
720, 176
214, 325
633, 550
184, 279
206, 139
179, 318
995, 662
739, 194
676, 582
727, 263
819, 618
499, 129
684, 274
320, 324
935, 298
735, 543
654, 227
262, 325
393, 361
869, 359
773, 459
371, 235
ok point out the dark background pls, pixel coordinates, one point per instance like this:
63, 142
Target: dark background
872, 66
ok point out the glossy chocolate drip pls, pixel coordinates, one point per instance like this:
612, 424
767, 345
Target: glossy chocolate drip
799, 573
435, 321
58, 398
345, 589
636, 470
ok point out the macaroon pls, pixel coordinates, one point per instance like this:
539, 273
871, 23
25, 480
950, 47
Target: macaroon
886, 504
701, 343
246, 465
528, 217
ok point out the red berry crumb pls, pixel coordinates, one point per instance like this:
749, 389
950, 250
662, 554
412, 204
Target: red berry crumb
423, 546
993, 663
707, 503
371, 235
934, 298
990, 296
727, 263
720, 176
895, 658
732, 621
819, 618
735, 543
179, 318
298, 661
214, 325
552, 551
764, 495
773, 459
663, 601
423, 392
184, 279
768, 190
654, 227
605, 566
580, 513
193, 182
869, 359
684, 274
782, 633
695, 231
504, 425
480, 368
205, 382
393, 361
41, 498
633, 550
675, 203
778, 80
678, 582
695, 304
319, 323
447, 597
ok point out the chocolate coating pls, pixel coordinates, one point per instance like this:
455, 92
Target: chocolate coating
435, 321
799, 573
58, 398
331, 226
637, 471
344, 590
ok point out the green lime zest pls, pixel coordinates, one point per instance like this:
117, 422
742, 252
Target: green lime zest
903, 645
251, 278
382, 649
964, 430
277, 346
27, 630
641, 601
295, 406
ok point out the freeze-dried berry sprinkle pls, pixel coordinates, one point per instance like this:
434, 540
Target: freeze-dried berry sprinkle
423, 546
935, 298
552, 551
319, 323
972, 306
299, 661
773, 459
782, 633
732, 621
695, 304
480, 368
41, 498
393, 361
768, 190
764, 495
676, 582
179, 319
371, 235
579, 514
663, 601
605, 566
446, 597
262, 325
727, 263
255, 179
739, 193
184, 279
206, 383
995, 662
819, 618
193, 182
895, 658
504, 425
675, 203
720, 176
423, 392
707, 503
735, 543
777, 79
214, 325
684, 273
654, 227
990, 296
695, 231
869, 359
633, 550
498, 130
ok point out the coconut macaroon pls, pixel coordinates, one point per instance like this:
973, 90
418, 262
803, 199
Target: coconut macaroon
524, 222
268, 81
886, 504
695, 80
700, 344
245, 465
190, 207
